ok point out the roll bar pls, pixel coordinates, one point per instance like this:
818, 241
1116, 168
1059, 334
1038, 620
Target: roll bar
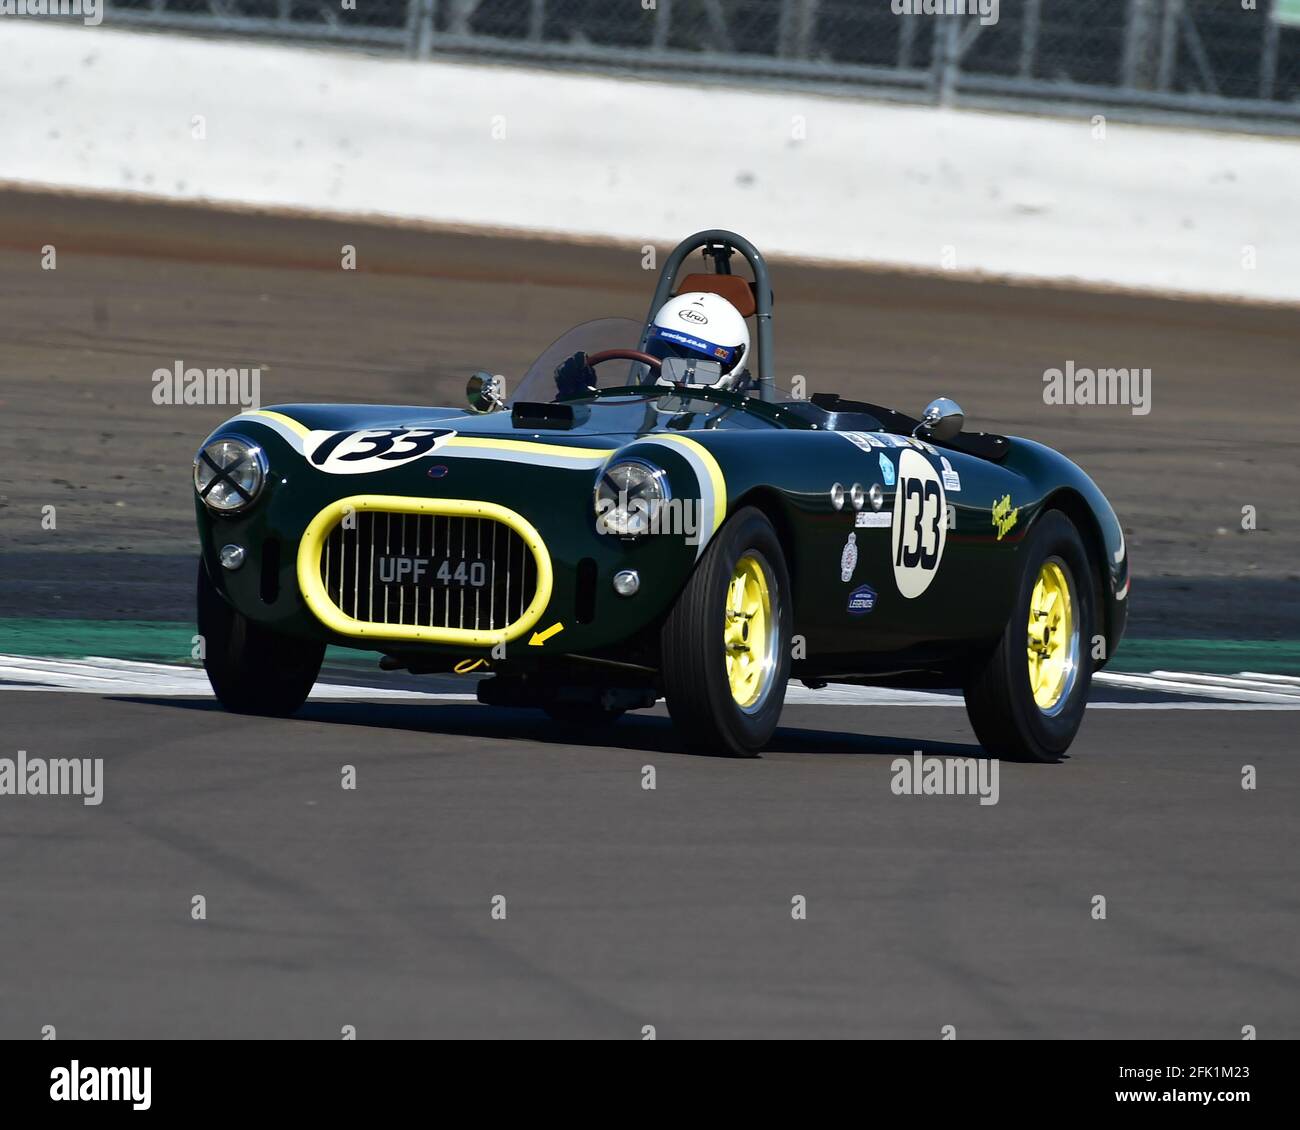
719, 245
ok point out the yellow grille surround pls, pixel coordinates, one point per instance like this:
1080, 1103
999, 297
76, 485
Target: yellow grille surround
323, 607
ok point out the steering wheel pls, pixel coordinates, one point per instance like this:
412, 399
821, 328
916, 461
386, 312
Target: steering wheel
594, 359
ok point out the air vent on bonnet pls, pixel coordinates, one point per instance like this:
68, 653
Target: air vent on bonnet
560, 417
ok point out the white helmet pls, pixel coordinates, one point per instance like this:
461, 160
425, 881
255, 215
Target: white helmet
704, 326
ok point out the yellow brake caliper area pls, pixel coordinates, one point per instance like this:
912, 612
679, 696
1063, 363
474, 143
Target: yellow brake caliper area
745, 631
1051, 628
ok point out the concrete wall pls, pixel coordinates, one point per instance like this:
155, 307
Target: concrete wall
503, 147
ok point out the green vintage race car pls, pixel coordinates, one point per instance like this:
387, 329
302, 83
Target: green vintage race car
594, 546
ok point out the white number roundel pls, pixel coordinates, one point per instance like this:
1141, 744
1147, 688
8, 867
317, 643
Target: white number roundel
920, 525
371, 449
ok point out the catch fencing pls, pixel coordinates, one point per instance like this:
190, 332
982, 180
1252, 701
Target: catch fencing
1223, 62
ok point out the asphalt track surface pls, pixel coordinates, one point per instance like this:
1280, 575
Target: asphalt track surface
625, 906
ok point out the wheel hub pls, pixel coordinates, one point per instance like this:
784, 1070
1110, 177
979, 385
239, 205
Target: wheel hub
748, 633
1052, 645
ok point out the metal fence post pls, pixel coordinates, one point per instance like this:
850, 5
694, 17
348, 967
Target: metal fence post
906, 41
663, 24
1029, 37
1137, 44
1169, 44
798, 22
420, 28
1268, 58
947, 59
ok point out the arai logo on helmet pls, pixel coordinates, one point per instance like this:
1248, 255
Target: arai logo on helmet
690, 314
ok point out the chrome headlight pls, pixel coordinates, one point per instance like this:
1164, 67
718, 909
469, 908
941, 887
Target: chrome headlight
229, 473
628, 497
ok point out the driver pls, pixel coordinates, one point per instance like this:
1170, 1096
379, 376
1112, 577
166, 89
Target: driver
698, 326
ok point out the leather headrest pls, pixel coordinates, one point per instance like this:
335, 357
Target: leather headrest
739, 292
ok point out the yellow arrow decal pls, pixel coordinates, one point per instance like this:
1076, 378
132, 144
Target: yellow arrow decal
540, 638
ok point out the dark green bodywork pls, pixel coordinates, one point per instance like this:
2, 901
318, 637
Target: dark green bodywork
769, 456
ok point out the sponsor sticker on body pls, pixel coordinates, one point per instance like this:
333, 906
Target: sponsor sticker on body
1004, 516
951, 480
862, 600
864, 441
887, 469
849, 558
873, 520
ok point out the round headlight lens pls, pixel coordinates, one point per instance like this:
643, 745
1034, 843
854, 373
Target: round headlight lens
628, 497
229, 473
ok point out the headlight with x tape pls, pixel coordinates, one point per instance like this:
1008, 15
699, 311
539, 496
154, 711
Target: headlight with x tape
229, 474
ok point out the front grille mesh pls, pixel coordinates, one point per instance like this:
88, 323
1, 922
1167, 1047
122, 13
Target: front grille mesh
428, 570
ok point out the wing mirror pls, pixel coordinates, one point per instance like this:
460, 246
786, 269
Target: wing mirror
941, 420
485, 393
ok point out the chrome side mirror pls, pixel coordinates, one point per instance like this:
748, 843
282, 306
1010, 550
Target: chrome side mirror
485, 393
941, 420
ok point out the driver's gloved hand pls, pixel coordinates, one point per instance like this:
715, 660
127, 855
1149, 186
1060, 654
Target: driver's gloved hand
574, 377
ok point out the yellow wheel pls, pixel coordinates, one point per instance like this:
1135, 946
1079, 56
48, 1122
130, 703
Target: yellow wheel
1053, 643
747, 633
724, 649
1026, 694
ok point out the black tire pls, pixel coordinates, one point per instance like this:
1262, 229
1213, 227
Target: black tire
252, 669
999, 698
693, 656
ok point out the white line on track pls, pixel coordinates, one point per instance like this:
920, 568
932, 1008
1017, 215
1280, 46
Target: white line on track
1288, 680
1170, 682
1237, 682
103, 676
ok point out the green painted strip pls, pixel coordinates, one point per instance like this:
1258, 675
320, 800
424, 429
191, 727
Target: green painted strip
170, 641
1210, 657
159, 641
153, 641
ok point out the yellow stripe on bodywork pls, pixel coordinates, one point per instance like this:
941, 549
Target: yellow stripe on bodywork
329, 613
719, 483
527, 448
288, 421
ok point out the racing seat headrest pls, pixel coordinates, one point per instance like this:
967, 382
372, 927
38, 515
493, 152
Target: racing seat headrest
739, 292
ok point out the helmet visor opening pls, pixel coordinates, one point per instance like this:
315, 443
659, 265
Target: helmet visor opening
677, 343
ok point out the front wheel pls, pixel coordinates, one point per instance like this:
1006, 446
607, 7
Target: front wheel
725, 647
252, 669
1026, 698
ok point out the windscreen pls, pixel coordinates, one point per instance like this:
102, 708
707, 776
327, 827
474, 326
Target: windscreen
538, 384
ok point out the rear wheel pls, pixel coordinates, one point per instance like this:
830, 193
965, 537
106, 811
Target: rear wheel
1026, 698
725, 647
252, 669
